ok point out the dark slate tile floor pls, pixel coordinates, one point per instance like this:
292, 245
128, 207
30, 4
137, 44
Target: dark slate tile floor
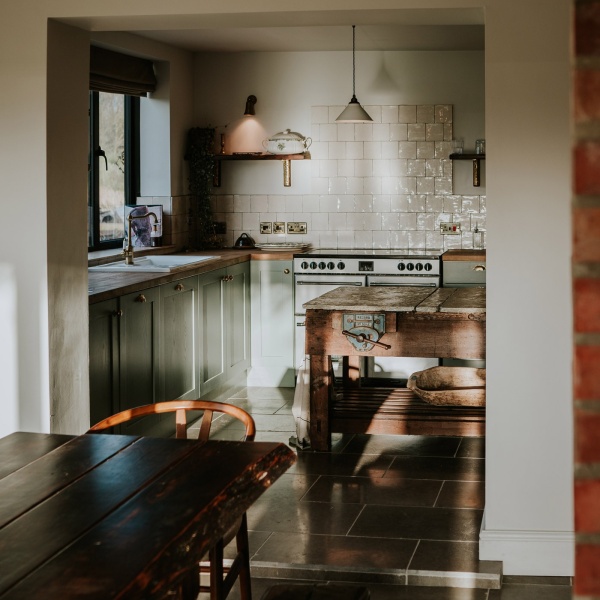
383, 510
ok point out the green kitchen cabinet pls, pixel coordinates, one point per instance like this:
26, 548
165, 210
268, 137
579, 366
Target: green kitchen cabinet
179, 340
224, 301
104, 359
124, 358
272, 291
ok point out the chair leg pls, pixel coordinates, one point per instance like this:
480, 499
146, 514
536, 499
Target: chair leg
216, 571
243, 549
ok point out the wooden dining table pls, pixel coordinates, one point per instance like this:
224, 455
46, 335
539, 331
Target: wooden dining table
112, 516
360, 322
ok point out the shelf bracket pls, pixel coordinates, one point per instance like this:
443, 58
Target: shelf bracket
287, 173
476, 172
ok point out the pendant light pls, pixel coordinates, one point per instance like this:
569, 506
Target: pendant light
354, 112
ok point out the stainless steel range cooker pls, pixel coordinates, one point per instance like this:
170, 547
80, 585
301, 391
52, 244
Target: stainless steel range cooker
321, 270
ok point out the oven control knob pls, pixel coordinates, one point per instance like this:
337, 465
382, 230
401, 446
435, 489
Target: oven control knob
304, 265
428, 266
410, 267
341, 266
331, 266
401, 266
419, 266
313, 265
322, 266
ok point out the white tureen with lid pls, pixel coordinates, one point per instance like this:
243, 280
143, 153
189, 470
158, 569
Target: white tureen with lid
287, 142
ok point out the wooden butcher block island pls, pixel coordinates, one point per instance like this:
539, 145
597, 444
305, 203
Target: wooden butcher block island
373, 321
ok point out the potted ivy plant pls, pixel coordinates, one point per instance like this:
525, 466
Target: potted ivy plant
199, 154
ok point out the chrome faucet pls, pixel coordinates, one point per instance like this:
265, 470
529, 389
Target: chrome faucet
128, 251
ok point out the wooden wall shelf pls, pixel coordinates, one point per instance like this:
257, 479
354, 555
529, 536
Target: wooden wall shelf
284, 158
476, 158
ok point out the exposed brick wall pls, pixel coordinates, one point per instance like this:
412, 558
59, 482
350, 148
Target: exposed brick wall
586, 295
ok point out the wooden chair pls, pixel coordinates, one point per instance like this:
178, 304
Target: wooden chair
221, 578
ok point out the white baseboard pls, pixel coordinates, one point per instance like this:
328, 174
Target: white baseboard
536, 553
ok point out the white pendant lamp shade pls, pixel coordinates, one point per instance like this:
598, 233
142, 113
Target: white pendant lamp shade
354, 112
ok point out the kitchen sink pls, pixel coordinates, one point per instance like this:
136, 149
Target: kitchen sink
153, 264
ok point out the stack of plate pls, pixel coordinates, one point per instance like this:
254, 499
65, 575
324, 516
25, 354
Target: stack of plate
282, 247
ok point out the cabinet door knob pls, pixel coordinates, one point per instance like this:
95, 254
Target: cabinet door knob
286, 271
225, 278
118, 313
230, 278
141, 298
179, 287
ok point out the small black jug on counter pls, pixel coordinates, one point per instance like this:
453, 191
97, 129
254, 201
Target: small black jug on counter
244, 241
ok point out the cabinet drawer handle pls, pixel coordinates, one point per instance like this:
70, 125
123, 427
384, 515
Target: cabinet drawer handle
141, 298
286, 271
179, 287
479, 268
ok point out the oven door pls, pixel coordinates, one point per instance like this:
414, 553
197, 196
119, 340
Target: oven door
309, 287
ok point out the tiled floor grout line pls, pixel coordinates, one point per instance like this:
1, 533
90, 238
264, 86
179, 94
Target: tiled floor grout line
458, 448
411, 559
439, 494
356, 519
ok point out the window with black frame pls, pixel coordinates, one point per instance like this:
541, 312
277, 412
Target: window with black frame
117, 81
114, 166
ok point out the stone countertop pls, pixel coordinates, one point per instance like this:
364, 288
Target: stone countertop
464, 255
401, 299
105, 286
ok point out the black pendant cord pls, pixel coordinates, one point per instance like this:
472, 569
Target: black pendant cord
353, 62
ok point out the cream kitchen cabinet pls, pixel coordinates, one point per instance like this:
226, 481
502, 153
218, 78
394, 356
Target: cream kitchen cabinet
272, 311
224, 310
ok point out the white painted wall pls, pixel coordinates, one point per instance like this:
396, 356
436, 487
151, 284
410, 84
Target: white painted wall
529, 469
287, 84
529, 513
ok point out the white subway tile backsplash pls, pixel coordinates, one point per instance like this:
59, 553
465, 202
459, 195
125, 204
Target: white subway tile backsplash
381, 131
398, 132
407, 114
415, 167
363, 132
389, 149
434, 132
372, 150
345, 168
345, 132
385, 184
328, 133
363, 168
416, 132
389, 114
355, 150
382, 203
407, 150
425, 185
425, 113
259, 204
425, 149
443, 113
337, 150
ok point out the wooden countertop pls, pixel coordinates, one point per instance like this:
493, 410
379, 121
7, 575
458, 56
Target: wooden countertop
464, 255
401, 299
104, 286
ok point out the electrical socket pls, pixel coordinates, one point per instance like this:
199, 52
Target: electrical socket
266, 227
450, 228
296, 227
278, 227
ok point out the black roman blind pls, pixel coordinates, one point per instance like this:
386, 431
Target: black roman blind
118, 73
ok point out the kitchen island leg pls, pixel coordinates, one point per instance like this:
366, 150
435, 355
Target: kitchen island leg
321, 388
